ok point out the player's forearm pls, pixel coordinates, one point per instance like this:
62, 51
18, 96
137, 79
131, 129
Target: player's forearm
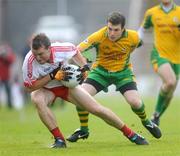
79, 59
39, 84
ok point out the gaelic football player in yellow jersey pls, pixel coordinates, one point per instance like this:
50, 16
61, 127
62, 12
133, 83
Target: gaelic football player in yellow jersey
114, 44
165, 56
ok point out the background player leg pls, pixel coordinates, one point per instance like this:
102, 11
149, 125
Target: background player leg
169, 84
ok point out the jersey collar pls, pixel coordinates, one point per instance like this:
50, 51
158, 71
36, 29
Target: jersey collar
124, 35
173, 7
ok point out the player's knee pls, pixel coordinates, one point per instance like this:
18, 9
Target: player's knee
170, 84
134, 102
36, 100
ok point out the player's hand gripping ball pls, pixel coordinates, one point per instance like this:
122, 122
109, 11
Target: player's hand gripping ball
72, 75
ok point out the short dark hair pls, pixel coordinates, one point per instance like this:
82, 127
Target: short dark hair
116, 18
40, 40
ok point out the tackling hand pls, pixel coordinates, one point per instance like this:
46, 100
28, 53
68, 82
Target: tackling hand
84, 70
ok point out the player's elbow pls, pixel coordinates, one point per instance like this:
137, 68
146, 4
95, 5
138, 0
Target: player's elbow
29, 89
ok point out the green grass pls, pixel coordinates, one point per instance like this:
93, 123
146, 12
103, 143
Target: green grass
23, 134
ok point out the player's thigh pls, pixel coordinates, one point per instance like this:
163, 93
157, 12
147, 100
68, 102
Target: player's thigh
163, 67
42, 97
89, 88
128, 88
83, 99
133, 98
166, 73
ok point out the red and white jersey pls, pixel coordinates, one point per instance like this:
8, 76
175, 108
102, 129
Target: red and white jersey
60, 54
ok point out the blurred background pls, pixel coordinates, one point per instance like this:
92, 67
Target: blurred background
72, 20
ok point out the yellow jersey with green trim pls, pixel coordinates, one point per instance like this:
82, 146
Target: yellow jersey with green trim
112, 55
166, 31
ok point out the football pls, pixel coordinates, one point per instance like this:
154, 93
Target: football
73, 81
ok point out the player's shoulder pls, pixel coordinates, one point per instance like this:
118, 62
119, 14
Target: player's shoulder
61, 44
131, 33
29, 56
177, 7
102, 30
153, 9
29, 59
132, 36
99, 34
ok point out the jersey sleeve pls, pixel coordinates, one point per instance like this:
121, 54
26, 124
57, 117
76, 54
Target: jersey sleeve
90, 42
147, 21
29, 76
136, 39
63, 51
72, 52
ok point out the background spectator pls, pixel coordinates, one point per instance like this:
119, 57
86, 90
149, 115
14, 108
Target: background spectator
7, 58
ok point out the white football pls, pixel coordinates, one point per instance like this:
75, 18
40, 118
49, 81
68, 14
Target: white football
73, 82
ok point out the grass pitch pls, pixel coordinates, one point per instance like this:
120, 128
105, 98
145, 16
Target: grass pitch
23, 134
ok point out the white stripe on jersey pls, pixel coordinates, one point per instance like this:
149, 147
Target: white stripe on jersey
32, 70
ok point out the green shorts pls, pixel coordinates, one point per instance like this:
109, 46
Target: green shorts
105, 78
157, 61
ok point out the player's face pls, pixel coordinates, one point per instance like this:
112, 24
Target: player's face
42, 55
114, 31
166, 2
